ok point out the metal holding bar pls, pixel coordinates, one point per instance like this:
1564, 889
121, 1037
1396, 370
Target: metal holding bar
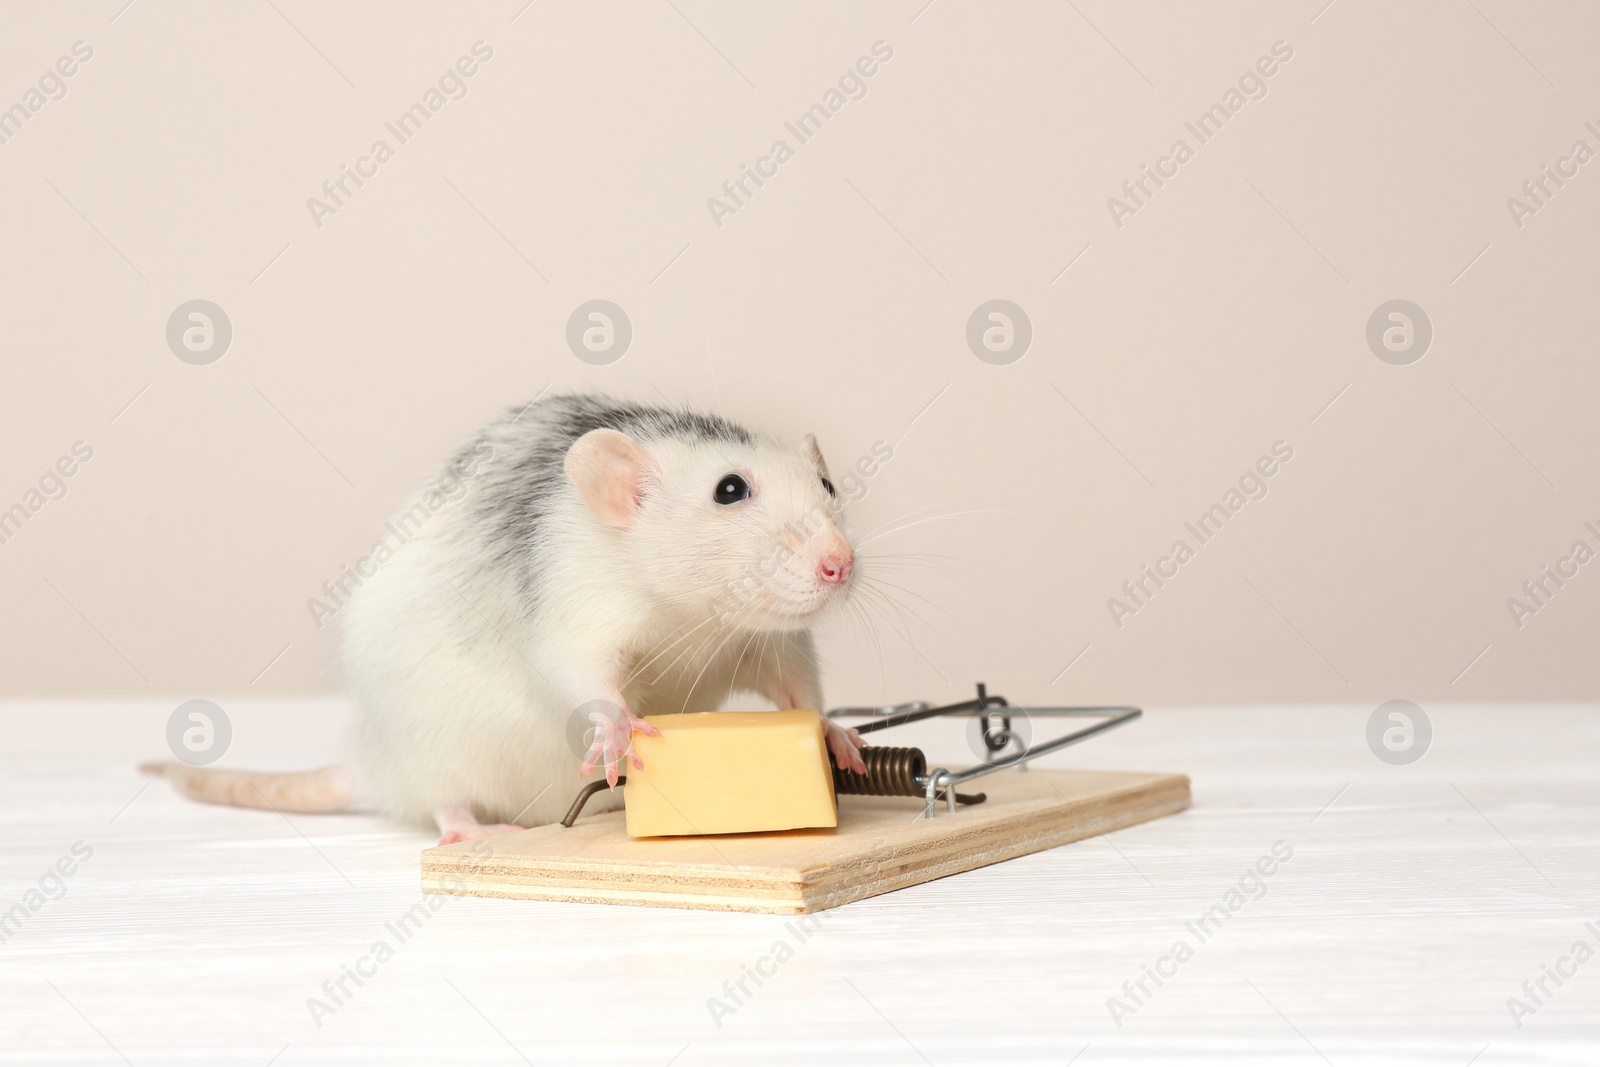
583, 798
940, 780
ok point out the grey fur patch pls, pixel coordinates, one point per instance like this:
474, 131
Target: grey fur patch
528, 468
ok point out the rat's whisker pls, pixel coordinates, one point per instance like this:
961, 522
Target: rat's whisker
911, 592
662, 648
924, 510
932, 518
709, 660
911, 644
858, 616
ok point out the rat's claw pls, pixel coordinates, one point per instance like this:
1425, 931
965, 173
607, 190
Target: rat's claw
846, 745
596, 752
611, 743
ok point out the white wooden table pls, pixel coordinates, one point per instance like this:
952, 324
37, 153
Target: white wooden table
1417, 901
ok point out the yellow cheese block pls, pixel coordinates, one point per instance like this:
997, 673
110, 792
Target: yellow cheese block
730, 772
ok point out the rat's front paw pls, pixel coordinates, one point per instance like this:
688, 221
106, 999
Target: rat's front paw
613, 733
846, 746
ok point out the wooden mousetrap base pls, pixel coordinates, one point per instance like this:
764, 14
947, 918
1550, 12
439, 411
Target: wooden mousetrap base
880, 844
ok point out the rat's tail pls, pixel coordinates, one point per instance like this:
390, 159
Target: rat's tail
325, 789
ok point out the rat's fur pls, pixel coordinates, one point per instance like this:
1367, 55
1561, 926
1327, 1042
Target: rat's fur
470, 653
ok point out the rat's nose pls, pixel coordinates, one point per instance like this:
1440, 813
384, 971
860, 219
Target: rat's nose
834, 566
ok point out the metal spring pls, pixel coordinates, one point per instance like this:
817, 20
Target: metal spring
891, 772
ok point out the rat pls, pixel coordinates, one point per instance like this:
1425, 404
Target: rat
581, 563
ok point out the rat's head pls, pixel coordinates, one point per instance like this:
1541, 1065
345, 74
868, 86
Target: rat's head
747, 527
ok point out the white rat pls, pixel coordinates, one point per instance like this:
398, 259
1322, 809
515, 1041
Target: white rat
583, 562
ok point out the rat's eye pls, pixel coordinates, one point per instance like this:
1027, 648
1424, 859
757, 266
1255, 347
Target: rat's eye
828, 486
731, 489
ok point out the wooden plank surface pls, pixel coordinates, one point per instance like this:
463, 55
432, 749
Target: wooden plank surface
881, 844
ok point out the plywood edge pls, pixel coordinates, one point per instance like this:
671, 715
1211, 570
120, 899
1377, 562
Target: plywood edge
732, 882
673, 898
514, 865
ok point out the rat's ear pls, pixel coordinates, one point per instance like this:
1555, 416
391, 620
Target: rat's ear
608, 468
808, 445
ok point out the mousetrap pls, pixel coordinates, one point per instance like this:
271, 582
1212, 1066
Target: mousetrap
899, 825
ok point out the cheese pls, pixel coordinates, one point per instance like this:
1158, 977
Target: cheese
730, 772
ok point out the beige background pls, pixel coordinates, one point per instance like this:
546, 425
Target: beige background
1223, 317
